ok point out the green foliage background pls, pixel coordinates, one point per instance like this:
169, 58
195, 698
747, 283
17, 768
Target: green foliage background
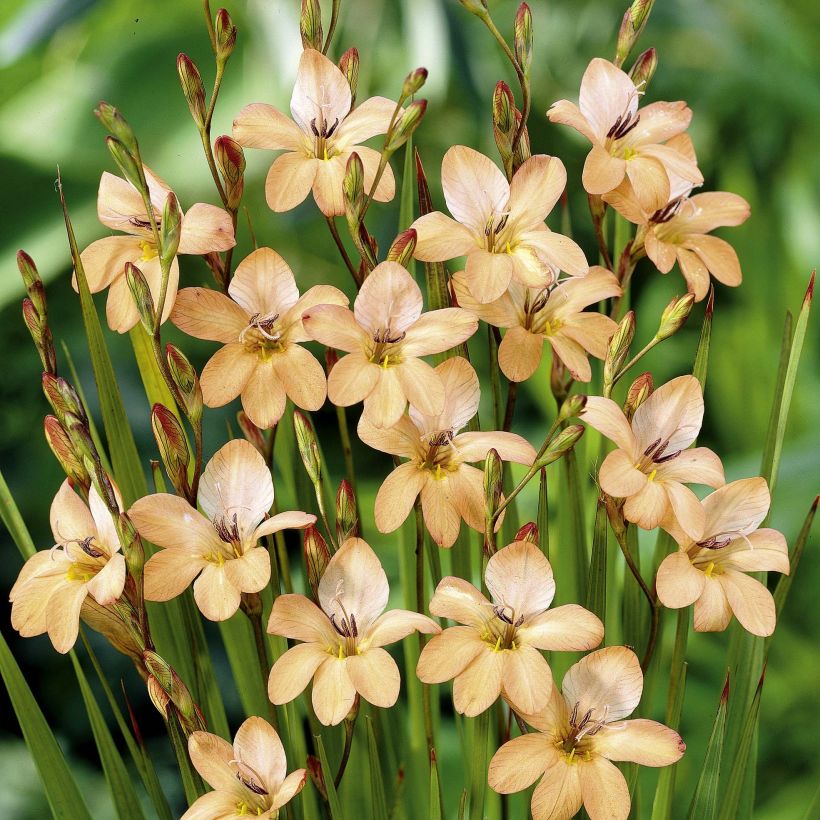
748, 69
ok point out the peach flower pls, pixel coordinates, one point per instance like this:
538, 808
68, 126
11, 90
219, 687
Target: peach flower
261, 328
499, 225
343, 641
85, 561
320, 141
627, 142
235, 494
496, 651
652, 461
248, 778
437, 469
580, 732
385, 335
709, 571
555, 315
205, 229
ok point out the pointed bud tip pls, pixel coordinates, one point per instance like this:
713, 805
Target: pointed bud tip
810, 288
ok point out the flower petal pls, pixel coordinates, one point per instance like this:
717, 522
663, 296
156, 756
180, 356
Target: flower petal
510, 447
697, 465
205, 229
460, 601
519, 353
673, 412
474, 188
462, 396
602, 172
607, 93
650, 182
170, 521
479, 685
298, 618
216, 597
389, 299
645, 742
293, 670
321, 92
679, 583
220, 804
396, 496
447, 655
211, 756
333, 692
766, 552
687, 509
386, 403
609, 420
535, 188
289, 180
710, 210
328, 185
170, 572
437, 331
263, 283
568, 628
62, 615
618, 475
719, 256
712, 610
401, 439
107, 585
262, 126
648, 507
317, 295
488, 274
291, 520
257, 744
250, 572
519, 576
558, 795
375, 676
739, 506
439, 237
302, 377
208, 314
609, 678
227, 374
526, 679
292, 785
604, 789
396, 624
334, 326
368, 119
421, 385
441, 516
567, 113
520, 762
751, 602
263, 397
104, 260
352, 379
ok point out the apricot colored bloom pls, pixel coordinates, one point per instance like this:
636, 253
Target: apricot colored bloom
261, 328
219, 544
85, 560
555, 315
627, 142
343, 641
385, 335
498, 225
497, 650
205, 229
248, 778
709, 572
580, 732
438, 454
652, 461
320, 138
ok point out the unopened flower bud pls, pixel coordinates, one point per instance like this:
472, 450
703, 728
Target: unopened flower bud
522, 38
125, 161
81, 442
492, 482
529, 533
40, 334
349, 66
159, 697
63, 450
403, 247
522, 151
406, 124
572, 407
32, 281
632, 27
560, 380
561, 444
639, 391
353, 190
173, 447
171, 684
308, 446
230, 159
413, 82
251, 432
116, 125
503, 121
225, 32
317, 557
141, 294
170, 229
347, 519
643, 68
478, 7
63, 398
192, 88
674, 315
619, 348
310, 25
186, 379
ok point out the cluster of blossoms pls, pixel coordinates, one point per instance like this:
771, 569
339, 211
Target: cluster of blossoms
518, 277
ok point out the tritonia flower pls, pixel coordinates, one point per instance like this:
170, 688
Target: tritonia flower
85, 560
627, 142
205, 229
261, 328
496, 651
248, 778
343, 641
320, 141
710, 572
220, 548
652, 461
499, 225
579, 733
438, 454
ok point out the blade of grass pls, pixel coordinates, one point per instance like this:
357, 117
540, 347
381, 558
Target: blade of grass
596, 586
664, 792
705, 800
434, 811
478, 763
378, 802
334, 803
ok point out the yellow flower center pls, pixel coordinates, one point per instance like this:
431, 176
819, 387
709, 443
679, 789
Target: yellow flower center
651, 476
386, 350
500, 631
494, 242
149, 251
80, 572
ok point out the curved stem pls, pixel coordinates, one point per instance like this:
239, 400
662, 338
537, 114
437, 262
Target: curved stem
509, 411
255, 617
334, 19
597, 209
334, 232
350, 725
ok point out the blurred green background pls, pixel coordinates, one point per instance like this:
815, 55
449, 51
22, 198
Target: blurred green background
748, 68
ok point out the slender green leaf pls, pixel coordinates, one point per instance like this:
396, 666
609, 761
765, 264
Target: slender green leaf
479, 747
705, 800
634, 612
156, 390
237, 636
334, 803
378, 801
543, 514
702, 354
407, 198
662, 805
61, 789
434, 805
14, 521
596, 585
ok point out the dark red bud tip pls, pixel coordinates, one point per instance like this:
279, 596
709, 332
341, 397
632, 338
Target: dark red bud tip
810, 289
710, 302
724, 695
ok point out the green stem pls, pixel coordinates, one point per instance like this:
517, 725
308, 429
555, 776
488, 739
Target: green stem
420, 600
260, 641
676, 665
350, 725
509, 411
334, 19
334, 232
347, 452
478, 769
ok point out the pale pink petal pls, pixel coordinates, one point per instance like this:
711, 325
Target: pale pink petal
604, 789
263, 283
63, 615
422, 386
212, 756
553, 718
558, 795
712, 610
526, 679
389, 299
327, 185
208, 314
609, 420
739, 506
219, 804
291, 786
661, 252
333, 692
474, 188
250, 572
510, 447
263, 397
697, 465
106, 586
170, 572
258, 745
479, 685
368, 119
396, 496
519, 576
401, 439
297, 617
520, 353
607, 93
468, 496
447, 655
648, 507
602, 172
751, 602
765, 551
334, 326
703, 213
216, 597
321, 92
120, 206
572, 355
206, 228
572, 295
289, 180
503, 312
462, 394
520, 762
70, 517
293, 670
650, 182
618, 475
440, 511
659, 121
386, 403
568, 628
678, 166
674, 412
170, 521
375, 676
386, 189
460, 601
262, 126
291, 319
227, 374
718, 255
686, 508
694, 272
302, 377
352, 379
438, 237
104, 260
567, 113
437, 331
291, 520
644, 742
121, 312
679, 584
535, 188
557, 250
396, 624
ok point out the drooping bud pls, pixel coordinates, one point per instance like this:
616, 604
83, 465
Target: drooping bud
116, 125
173, 447
63, 398
347, 519
308, 446
403, 247
230, 159
63, 450
632, 27
639, 391
572, 407
522, 38
317, 557
349, 66
125, 161
561, 444
141, 294
413, 82
186, 380
674, 315
251, 432
529, 533
406, 124
225, 32
310, 25
192, 88
353, 190
619, 348
644, 68
170, 229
